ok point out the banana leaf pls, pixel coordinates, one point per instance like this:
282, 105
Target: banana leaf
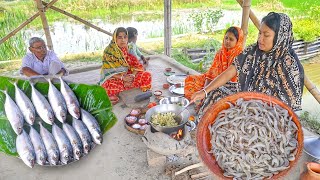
92, 98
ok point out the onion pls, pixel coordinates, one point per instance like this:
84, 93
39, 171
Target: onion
142, 121
131, 119
136, 126
135, 112
143, 127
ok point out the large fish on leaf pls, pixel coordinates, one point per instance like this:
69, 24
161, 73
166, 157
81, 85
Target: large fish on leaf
71, 99
64, 145
84, 134
50, 144
57, 102
25, 149
92, 126
42, 105
25, 105
39, 147
13, 114
74, 140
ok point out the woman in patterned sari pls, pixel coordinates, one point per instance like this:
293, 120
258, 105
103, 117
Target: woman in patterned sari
120, 70
269, 66
232, 46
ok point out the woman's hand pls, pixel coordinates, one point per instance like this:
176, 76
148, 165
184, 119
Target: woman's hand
145, 60
128, 80
197, 97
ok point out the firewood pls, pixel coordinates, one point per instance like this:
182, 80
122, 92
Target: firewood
188, 168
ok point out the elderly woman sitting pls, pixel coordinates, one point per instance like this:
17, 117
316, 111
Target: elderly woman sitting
121, 70
270, 66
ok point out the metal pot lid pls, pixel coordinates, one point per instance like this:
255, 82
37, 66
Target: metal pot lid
312, 146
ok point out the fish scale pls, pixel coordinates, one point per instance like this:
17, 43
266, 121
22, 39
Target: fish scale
74, 140
64, 145
13, 114
25, 105
92, 126
51, 145
83, 133
42, 105
57, 102
39, 147
70, 98
25, 149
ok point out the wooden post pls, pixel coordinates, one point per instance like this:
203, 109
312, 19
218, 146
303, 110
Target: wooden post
309, 85
44, 23
12, 33
167, 27
245, 19
252, 16
79, 19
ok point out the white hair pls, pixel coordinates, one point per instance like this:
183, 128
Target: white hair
34, 40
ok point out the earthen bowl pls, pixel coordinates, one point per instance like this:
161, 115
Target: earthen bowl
166, 86
204, 137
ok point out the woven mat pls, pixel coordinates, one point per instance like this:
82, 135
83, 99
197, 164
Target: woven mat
128, 98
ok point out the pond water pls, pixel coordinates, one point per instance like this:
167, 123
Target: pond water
309, 103
74, 37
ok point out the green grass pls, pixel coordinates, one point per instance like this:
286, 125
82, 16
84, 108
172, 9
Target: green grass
310, 122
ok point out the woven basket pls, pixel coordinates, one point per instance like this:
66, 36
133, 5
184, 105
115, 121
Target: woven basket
203, 134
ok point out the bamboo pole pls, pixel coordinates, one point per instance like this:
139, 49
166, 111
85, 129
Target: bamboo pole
12, 33
245, 19
79, 19
44, 23
167, 27
307, 83
252, 16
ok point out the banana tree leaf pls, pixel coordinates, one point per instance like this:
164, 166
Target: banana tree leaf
92, 98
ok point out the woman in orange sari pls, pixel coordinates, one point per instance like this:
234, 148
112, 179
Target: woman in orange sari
231, 47
120, 70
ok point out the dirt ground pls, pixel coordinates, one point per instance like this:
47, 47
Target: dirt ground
122, 155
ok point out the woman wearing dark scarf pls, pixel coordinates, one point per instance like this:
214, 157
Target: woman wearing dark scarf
269, 66
120, 70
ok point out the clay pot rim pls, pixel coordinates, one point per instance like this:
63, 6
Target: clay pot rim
311, 166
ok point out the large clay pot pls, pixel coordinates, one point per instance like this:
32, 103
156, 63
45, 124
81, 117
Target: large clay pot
312, 173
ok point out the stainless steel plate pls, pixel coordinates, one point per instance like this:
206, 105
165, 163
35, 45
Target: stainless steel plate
312, 147
177, 79
176, 90
180, 100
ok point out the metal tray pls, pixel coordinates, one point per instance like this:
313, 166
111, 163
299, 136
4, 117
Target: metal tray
177, 79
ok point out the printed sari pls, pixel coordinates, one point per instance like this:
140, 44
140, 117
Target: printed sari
117, 60
222, 60
277, 73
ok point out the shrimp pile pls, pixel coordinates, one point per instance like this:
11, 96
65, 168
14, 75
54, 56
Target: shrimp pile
253, 140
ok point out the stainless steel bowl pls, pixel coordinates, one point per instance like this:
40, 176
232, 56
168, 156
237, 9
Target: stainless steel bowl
180, 101
162, 108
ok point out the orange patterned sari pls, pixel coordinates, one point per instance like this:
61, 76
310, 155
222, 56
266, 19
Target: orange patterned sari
222, 60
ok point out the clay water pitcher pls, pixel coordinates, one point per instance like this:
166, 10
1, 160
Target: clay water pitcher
312, 173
